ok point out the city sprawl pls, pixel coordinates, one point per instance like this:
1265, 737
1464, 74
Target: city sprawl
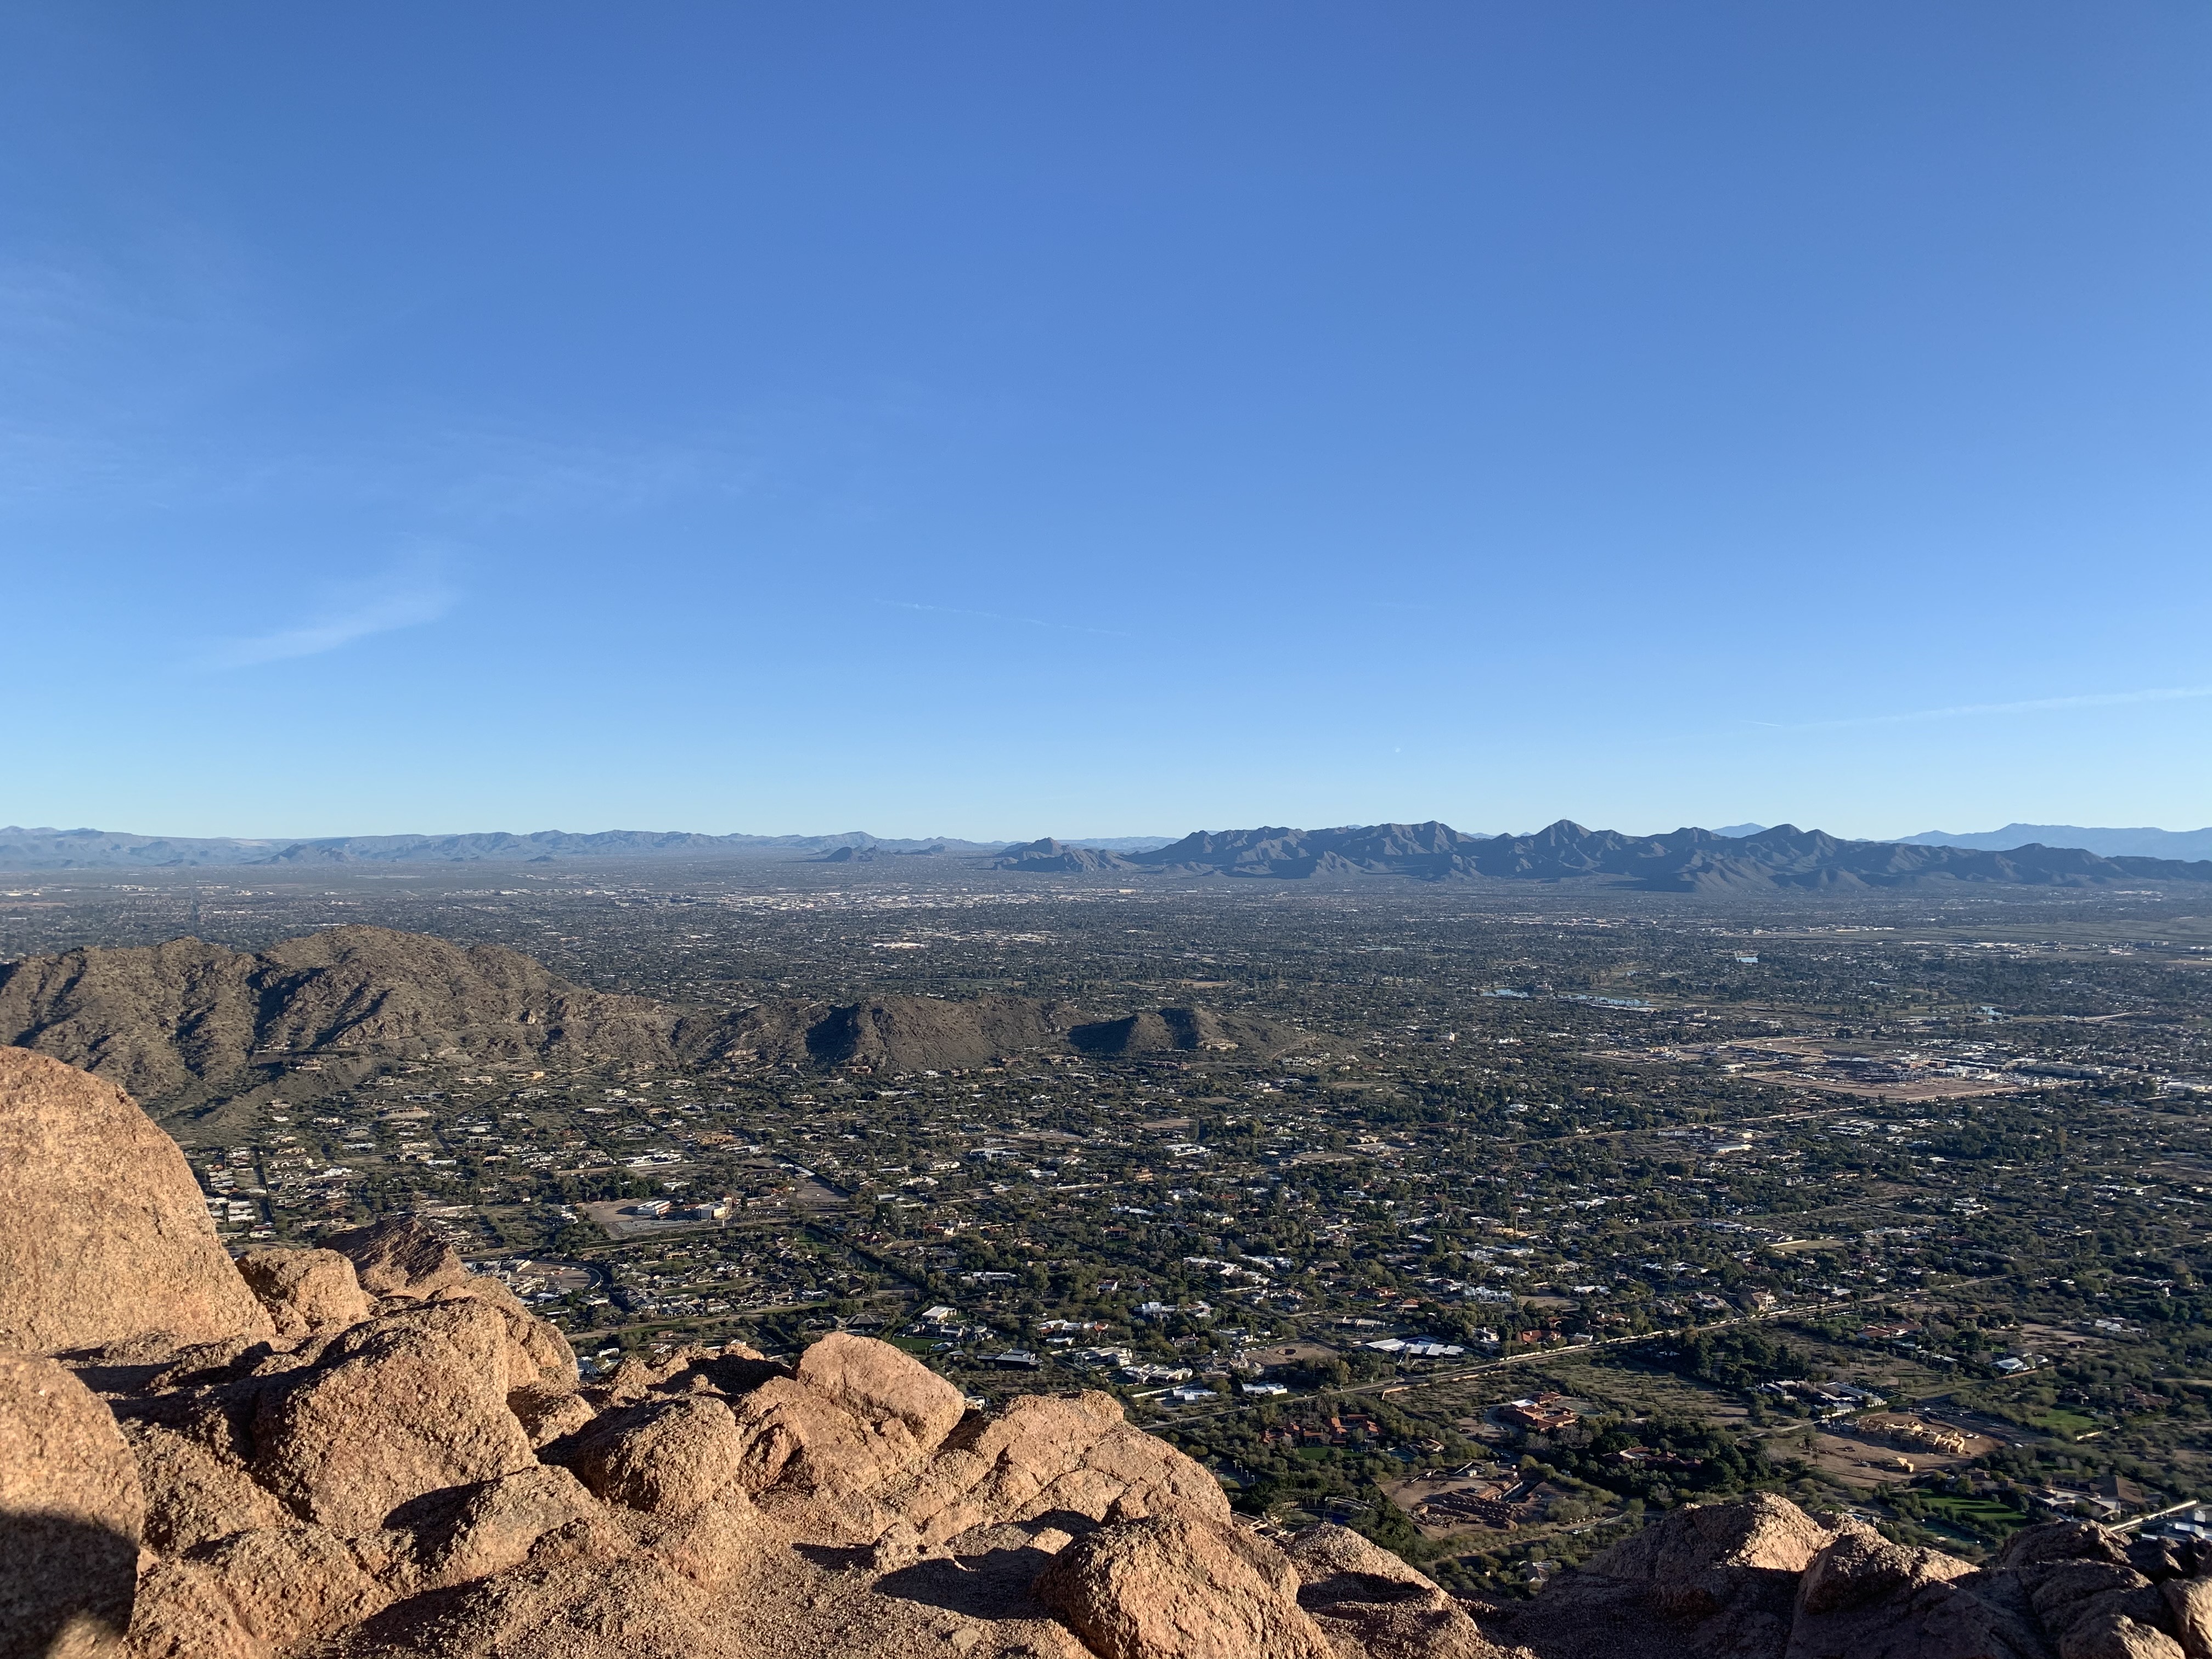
1532, 1213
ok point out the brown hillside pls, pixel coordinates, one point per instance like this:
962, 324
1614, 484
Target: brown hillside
1179, 1030
160, 1019
155, 1019
897, 1033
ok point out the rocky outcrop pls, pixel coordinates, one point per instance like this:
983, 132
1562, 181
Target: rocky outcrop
1738, 1581
71, 1517
1369, 1602
406, 1404
306, 1292
399, 1256
1169, 1586
104, 1236
1053, 1455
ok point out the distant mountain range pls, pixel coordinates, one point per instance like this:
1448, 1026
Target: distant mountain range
82, 849
24, 848
1684, 862
2111, 843
1743, 857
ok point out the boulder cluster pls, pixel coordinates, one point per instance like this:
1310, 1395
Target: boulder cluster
362, 1449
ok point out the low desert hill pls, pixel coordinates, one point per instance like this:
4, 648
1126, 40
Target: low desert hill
1682, 862
364, 1451
1049, 855
894, 1034
160, 1019
1156, 1031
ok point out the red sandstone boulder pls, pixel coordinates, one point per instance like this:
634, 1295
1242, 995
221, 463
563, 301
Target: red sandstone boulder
668, 1456
1863, 1596
104, 1236
547, 1414
1171, 1587
306, 1292
399, 1256
402, 1405
70, 1515
1052, 1453
500, 1522
881, 1384
1367, 1602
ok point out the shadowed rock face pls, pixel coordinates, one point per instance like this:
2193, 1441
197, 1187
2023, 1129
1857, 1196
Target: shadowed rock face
424, 1474
103, 1235
70, 1515
1759, 1579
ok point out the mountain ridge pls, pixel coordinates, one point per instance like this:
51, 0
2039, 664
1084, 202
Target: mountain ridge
165, 1020
45, 847
1686, 860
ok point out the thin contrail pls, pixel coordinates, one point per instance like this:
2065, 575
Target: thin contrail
2032, 705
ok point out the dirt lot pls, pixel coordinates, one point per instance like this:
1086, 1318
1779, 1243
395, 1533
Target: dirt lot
1292, 1353
1408, 1494
1879, 1451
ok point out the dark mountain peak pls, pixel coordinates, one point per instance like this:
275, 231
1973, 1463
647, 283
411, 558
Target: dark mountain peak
1687, 860
1048, 856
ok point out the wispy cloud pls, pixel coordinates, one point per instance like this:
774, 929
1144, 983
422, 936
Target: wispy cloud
403, 599
2032, 706
995, 615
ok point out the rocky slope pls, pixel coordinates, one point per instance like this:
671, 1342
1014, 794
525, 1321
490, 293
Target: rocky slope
158, 1019
362, 1452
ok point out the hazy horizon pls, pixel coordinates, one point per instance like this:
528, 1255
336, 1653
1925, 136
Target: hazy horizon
1163, 837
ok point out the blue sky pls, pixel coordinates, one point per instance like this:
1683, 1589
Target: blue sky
1082, 418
